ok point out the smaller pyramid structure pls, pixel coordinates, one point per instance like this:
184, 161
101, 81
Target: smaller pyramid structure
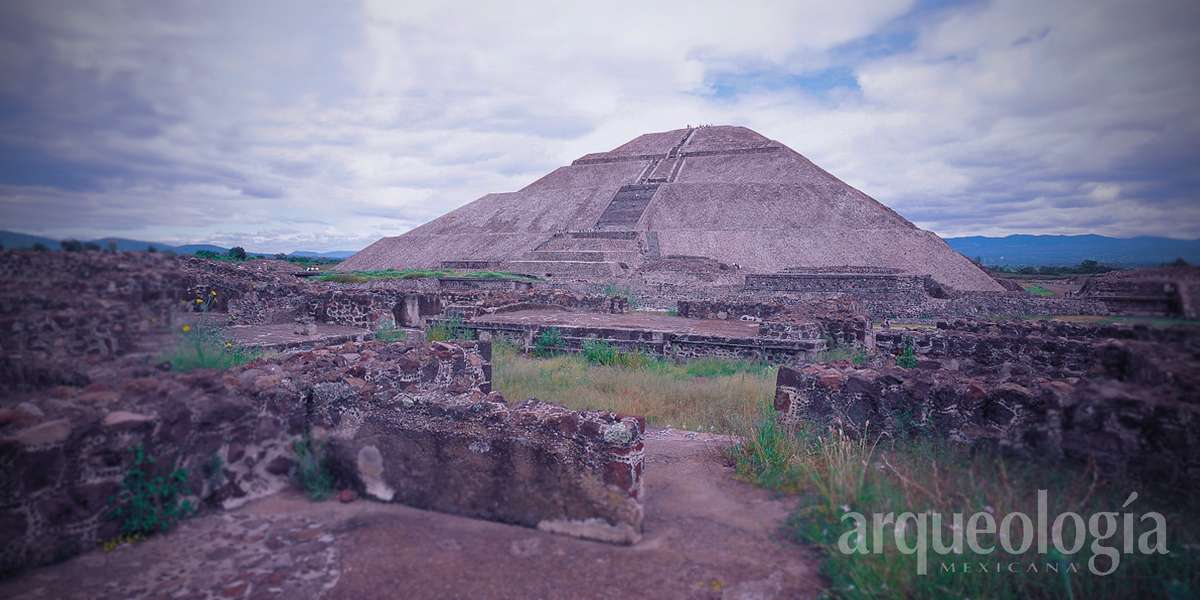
720, 192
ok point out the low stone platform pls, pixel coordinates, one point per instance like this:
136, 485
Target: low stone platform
411, 423
707, 537
636, 320
657, 334
283, 336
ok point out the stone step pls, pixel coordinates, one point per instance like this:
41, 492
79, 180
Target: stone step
603, 235
591, 243
567, 268
626, 256
626, 208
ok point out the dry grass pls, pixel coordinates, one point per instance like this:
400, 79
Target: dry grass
667, 395
834, 474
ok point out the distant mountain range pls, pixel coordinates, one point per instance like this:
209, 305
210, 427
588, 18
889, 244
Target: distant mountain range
1009, 251
1038, 250
14, 240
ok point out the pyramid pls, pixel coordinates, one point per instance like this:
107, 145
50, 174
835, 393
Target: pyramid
720, 192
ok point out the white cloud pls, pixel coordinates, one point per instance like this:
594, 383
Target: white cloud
336, 124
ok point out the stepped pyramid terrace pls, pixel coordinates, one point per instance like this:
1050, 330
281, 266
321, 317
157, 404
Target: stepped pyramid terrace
725, 195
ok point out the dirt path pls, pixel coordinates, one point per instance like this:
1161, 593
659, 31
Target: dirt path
707, 536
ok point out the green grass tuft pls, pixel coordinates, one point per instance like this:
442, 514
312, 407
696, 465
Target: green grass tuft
147, 503
1038, 290
312, 472
204, 347
390, 333
449, 329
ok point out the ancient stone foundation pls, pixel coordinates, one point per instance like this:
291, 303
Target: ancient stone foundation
1122, 396
408, 423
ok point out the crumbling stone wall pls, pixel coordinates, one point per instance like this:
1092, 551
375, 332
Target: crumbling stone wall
838, 320
60, 311
672, 345
372, 404
1165, 291
1124, 426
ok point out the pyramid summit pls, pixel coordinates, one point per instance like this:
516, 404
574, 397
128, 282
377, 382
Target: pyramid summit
724, 193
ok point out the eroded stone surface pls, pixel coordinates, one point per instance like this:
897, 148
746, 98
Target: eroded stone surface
707, 537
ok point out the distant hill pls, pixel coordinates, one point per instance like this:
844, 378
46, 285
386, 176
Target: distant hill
13, 240
1037, 250
330, 254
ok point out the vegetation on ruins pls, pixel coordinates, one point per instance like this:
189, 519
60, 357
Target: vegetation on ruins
312, 473
708, 394
386, 274
390, 333
833, 474
1038, 290
201, 346
449, 329
908, 357
843, 352
625, 292
148, 503
548, 343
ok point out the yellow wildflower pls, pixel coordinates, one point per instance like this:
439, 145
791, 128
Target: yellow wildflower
213, 293
199, 301
187, 328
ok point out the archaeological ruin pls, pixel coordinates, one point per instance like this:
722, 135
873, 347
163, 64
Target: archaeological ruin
700, 243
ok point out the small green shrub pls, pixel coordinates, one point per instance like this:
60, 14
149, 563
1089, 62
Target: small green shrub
202, 347
766, 452
148, 503
721, 367
907, 358
312, 472
860, 358
390, 333
600, 353
450, 329
1038, 290
622, 292
548, 343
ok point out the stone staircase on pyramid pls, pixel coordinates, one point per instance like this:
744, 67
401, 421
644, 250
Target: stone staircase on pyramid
590, 254
614, 246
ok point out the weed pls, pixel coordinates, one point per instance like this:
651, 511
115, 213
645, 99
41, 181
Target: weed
214, 471
390, 333
706, 398
548, 343
834, 474
205, 347
312, 472
908, 357
1038, 290
600, 353
450, 329
625, 292
149, 503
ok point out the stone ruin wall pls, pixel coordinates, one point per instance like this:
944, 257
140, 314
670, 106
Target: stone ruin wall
403, 422
1160, 292
670, 345
61, 311
1124, 396
837, 320
1124, 427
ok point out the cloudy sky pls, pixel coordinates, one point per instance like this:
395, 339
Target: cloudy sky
326, 125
